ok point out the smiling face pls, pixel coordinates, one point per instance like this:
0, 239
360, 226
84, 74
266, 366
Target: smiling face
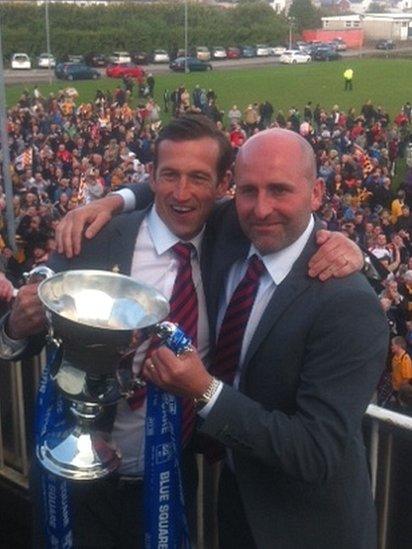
186, 184
276, 189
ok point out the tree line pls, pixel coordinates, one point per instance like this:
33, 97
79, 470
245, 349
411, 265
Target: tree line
136, 27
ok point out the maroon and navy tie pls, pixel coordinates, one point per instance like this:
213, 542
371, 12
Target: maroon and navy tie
184, 312
229, 342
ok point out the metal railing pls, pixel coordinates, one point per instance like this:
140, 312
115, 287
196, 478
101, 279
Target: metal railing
18, 384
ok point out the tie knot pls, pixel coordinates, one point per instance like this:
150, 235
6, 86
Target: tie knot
183, 251
255, 268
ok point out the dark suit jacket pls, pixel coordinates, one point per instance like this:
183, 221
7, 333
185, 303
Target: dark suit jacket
295, 424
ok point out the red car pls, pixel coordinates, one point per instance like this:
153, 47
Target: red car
233, 53
119, 70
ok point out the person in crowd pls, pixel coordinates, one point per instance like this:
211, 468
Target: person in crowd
401, 364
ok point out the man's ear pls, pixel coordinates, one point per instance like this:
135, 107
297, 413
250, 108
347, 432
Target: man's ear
223, 184
318, 192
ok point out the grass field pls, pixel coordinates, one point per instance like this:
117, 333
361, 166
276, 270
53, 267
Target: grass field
387, 82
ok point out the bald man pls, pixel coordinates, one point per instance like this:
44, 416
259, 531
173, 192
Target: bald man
306, 356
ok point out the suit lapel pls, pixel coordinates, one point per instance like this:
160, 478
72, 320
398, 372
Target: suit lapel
121, 246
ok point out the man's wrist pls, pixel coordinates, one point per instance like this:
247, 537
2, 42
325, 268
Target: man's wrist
203, 399
116, 202
128, 200
10, 348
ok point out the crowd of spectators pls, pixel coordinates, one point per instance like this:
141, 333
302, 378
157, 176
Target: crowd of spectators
65, 153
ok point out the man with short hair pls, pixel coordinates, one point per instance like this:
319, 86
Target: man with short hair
300, 360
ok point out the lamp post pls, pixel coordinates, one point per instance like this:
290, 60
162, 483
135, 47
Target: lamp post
291, 23
46, 14
186, 32
4, 139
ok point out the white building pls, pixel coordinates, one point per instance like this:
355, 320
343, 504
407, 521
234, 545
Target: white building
394, 26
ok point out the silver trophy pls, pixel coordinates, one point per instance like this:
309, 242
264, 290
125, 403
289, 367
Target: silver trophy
98, 318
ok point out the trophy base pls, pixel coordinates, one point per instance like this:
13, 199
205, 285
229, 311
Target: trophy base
80, 456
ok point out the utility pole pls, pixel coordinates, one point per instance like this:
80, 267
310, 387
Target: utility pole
46, 13
186, 32
4, 139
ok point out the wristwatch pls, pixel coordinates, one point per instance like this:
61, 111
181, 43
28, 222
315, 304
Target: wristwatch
200, 402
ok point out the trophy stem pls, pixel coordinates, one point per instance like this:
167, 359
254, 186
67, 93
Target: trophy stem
80, 453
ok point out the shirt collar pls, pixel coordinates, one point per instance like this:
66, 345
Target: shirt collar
163, 238
280, 263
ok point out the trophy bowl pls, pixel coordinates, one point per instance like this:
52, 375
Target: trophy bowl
98, 318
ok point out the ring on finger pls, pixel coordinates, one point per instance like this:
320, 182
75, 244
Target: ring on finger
151, 366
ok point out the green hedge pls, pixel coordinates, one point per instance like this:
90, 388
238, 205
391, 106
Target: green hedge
128, 27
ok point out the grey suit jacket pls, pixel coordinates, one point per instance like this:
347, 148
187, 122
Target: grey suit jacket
295, 424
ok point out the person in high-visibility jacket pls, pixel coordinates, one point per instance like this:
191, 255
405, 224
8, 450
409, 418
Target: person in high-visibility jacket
348, 77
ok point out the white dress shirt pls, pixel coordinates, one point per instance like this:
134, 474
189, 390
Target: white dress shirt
155, 263
278, 265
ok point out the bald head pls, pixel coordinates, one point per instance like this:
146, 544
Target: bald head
286, 144
276, 188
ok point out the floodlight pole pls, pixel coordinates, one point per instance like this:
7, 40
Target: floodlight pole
4, 139
291, 20
186, 32
46, 13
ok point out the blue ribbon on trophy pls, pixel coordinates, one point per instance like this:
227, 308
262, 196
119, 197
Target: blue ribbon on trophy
165, 517
51, 412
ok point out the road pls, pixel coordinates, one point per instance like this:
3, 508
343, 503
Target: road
42, 75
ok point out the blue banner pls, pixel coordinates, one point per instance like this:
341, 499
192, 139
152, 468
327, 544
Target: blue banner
51, 416
165, 517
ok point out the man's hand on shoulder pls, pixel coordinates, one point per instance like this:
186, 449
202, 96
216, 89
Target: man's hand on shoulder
337, 256
27, 315
94, 215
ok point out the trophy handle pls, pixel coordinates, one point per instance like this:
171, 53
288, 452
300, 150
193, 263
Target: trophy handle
38, 274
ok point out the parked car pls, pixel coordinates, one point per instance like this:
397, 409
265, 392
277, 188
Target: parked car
160, 56
119, 70
248, 51
20, 61
193, 64
46, 61
385, 45
324, 53
120, 57
277, 50
96, 59
219, 53
340, 44
301, 46
203, 53
76, 71
262, 50
295, 56
233, 52
73, 58
140, 57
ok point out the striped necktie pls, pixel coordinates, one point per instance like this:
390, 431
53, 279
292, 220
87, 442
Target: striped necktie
184, 312
229, 342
